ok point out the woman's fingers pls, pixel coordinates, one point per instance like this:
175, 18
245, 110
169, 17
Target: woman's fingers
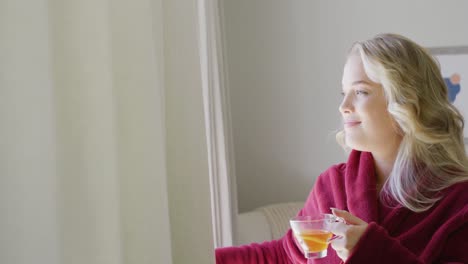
339, 228
349, 232
349, 218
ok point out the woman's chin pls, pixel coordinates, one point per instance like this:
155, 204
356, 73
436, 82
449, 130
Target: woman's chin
356, 145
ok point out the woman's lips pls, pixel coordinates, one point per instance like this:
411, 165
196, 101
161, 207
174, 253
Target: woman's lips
351, 123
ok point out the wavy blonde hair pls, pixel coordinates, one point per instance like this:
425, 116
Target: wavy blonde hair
431, 156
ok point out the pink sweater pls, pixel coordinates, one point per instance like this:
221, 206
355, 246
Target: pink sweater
439, 235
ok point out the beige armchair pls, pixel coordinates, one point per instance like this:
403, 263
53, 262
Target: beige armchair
265, 223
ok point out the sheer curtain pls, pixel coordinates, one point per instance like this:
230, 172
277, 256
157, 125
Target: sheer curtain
85, 171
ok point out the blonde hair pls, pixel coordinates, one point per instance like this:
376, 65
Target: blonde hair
431, 156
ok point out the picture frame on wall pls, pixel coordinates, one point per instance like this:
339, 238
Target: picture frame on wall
454, 67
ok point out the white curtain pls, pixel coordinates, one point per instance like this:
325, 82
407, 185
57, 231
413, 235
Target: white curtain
83, 161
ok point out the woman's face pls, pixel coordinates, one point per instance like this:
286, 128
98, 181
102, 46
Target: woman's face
368, 125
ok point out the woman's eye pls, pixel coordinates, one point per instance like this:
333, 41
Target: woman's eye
361, 92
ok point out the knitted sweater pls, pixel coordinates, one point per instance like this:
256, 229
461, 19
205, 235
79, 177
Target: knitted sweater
394, 235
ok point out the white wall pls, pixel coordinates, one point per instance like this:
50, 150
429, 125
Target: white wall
102, 136
187, 151
284, 63
28, 193
140, 119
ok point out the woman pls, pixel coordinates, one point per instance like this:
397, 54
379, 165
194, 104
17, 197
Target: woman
403, 191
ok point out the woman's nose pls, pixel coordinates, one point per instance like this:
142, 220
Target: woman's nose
346, 105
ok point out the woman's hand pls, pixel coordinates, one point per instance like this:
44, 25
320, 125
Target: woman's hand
350, 232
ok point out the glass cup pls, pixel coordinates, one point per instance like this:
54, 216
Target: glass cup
313, 233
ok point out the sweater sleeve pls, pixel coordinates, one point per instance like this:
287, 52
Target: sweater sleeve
456, 249
377, 246
267, 252
282, 251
